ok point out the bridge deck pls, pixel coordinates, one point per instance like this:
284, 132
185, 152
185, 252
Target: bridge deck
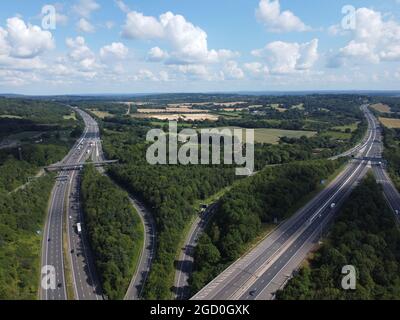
75, 166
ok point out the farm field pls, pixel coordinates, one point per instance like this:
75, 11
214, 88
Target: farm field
101, 114
380, 107
278, 107
272, 136
353, 127
176, 117
172, 110
337, 135
390, 123
299, 106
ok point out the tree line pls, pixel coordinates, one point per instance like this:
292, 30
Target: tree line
364, 235
392, 153
114, 229
262, 200
22, 216
169, 191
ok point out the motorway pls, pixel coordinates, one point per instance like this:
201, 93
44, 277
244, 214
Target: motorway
52, 246
186, 258
260, 273
86, 282
390, 191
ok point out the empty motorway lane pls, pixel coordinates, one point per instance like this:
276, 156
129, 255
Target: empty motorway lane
185, 262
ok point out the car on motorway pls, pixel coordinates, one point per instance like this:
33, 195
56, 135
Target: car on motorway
396, 211
252, 293
333, 205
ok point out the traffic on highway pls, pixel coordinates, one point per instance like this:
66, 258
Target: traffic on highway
266, 269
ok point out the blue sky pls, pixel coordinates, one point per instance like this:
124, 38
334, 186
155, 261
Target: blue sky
110, 46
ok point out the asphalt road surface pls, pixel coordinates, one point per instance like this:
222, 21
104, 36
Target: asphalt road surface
86, 282
185, 262
266, 268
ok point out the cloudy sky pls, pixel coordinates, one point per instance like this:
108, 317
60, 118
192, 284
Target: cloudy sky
140, 46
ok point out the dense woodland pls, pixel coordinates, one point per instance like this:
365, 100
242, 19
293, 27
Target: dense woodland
392, 154
364, 235
264, 199
44, 137
37, 111
41, 132
15, 172
22, 217
170, 191
114, 229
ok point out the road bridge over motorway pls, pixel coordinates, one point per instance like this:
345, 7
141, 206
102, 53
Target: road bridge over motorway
78, 166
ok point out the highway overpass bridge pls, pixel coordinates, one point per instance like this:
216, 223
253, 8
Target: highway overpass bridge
78, 166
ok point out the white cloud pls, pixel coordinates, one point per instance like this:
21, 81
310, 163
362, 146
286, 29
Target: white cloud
116, 50
233, 71
194, 71
24, 41
122, 6
289, 57
84, 8
145, 74
373, 40
61, 19
138, 26
156, 54
188, 42
164, 76
256, 69
20, 50
308, 55
80, 54
85, 26
269, 13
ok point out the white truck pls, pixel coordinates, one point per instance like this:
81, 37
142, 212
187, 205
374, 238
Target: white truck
79, 228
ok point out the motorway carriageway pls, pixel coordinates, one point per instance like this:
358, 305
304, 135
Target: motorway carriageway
52, 246
248, 277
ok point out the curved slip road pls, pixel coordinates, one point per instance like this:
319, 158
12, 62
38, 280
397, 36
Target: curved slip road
185, 262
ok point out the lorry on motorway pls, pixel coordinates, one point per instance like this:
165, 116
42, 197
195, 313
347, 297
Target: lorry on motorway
79, 228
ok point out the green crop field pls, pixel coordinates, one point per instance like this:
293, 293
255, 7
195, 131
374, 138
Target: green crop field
272, 136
